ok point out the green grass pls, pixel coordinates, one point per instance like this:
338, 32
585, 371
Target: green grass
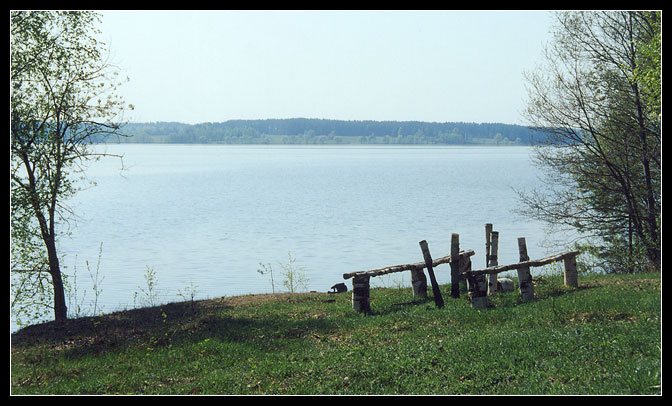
602, 338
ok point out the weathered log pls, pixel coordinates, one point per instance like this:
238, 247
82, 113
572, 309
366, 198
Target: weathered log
476, 284
488, 230
571, 273
533, 263
438, 299
419, 283
405, 267
360, 294
455, 265
492, 261
524, 277
465, 265
478, 295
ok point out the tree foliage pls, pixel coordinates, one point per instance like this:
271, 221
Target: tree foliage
62, 96
598, 98
323, 131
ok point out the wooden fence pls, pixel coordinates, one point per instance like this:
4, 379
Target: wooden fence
479, 290
460, 263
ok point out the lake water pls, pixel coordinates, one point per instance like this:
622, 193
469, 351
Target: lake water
203, 217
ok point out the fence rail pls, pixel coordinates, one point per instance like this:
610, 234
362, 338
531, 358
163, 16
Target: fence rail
406, 267
493, 270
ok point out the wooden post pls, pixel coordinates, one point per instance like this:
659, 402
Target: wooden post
488, 230
524, 276
455, 265
477, 291
360, 293
465, 265
419, 283
492, 261
438, 299
571, 273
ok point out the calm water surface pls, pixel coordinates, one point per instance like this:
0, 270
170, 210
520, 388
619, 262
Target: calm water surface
204, 216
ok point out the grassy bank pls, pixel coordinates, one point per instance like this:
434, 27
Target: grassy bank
602, 338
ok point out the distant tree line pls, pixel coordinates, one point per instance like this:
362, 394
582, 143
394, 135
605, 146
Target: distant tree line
323, 131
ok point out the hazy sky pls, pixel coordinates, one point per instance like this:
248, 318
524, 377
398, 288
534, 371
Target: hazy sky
209, 66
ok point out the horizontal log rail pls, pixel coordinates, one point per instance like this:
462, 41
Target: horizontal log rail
407, 267
493, 270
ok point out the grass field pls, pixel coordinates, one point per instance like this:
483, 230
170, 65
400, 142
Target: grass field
603, 338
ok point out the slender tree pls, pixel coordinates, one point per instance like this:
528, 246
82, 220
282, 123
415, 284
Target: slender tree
63, 98
598, 98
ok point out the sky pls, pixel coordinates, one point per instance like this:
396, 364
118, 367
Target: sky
218, 65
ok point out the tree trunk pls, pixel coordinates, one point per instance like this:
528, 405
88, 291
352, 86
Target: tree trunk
49, 238
653, 251
60, 309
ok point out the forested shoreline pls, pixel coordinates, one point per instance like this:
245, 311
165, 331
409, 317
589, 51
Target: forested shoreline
324, 131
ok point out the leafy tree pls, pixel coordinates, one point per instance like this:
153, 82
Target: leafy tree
598, 98
62, 97
320, 131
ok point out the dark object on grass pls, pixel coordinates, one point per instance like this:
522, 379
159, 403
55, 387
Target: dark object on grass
339, 288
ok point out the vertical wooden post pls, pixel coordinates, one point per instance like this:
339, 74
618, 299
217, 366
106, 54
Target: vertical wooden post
465, 265
571, 273
455, 265
438, 299
483, 289
360, 294
477, 285
524, 276
492, 261
419, 283
488, 230
477, 291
